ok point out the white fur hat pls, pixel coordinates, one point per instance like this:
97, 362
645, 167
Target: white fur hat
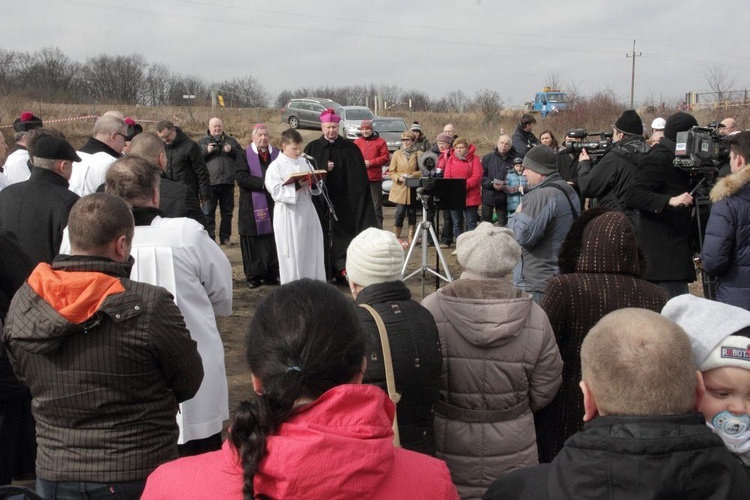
374, 256
488, 250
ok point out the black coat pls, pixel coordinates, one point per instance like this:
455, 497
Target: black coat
249, 183
185, 164
639, 458
608, 180
349, 190
221, 165
494, 167
663, 231
176, 200
417, 360
36, 211
523, 141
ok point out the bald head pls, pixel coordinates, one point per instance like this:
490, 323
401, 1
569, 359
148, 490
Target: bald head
730, 126
215, 126
116, 114
504, 144
449, 129
638, 362
149, 145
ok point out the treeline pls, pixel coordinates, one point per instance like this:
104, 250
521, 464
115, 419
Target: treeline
50, 75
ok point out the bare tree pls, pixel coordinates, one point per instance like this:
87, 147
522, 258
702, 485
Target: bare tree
8, 71
115, 78
489, 103
48, 74
554, 80
720, 81
246, 92
420, 101
457, 101
158, 84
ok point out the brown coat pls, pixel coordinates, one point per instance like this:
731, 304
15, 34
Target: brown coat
499, 353
400, 192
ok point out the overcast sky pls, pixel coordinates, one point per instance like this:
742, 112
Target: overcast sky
435, 46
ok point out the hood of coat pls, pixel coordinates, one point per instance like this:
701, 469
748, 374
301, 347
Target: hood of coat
470, 153
342, 442
731, 184
60, 302
609, 245
485, 312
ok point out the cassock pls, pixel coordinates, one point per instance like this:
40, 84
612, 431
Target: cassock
349, 191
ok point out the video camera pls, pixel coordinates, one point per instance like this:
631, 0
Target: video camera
701, 149
595, 149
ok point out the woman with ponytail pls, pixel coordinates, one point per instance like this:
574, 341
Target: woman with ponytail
312, 430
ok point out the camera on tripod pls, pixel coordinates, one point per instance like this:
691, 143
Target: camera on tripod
595, 149
701, 150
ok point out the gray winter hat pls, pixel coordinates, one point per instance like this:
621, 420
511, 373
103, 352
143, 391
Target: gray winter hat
708, 324
488, 250
541, 159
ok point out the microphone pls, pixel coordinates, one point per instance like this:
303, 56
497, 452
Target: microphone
306, 156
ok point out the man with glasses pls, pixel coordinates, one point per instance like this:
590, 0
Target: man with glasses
185, 162
98, 154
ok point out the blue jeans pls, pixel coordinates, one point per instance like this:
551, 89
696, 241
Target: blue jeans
471, 214
82, 490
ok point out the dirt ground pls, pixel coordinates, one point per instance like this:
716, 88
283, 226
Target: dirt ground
234, 327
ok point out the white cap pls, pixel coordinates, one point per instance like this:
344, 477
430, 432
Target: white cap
658, 123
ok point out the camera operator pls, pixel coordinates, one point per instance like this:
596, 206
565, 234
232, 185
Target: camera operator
567, 163
726, 247
221, 153
608, 180
660, 191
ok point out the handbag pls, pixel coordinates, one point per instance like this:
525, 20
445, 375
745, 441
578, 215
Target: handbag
390, 380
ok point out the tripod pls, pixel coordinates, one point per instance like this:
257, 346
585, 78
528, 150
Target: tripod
701, 200
428, 234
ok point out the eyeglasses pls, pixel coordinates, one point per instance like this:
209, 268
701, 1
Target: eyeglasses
122, 135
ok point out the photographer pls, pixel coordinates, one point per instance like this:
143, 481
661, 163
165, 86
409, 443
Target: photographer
725, 248
221, 154
608, 180
661, 192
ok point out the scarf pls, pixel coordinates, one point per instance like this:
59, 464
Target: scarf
262, 214
409, 151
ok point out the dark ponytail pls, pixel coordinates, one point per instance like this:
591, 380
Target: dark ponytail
304, 339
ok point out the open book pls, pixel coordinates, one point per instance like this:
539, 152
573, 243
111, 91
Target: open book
303, 175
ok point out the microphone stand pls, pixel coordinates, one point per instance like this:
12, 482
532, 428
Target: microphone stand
330, 212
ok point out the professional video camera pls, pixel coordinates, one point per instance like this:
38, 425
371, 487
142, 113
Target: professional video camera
595, 149
701, 149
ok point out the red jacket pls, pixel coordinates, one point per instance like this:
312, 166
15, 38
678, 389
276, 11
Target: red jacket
374, 149
338, 447
470, 169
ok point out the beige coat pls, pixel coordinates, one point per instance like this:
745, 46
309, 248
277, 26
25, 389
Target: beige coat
400, 192
499, 357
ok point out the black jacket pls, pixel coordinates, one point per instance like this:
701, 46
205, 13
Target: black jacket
417, 360
523, 141
185, 164
639, 458
36, 211
221, 165
494, 167
663, 231
608, 180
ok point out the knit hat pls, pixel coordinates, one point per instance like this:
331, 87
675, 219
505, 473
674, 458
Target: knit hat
415, 127
329, 116
488, 250
715, 329
517, 160
27, 121
374, 256
541, 159
678, 122
55, 148
658, 123
443, 137
629, 122
366, 124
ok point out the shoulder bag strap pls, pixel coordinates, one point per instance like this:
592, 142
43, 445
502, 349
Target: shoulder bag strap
562, 190
390, 380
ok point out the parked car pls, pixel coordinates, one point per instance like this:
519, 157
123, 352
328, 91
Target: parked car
300, 113
390, 129
351, 119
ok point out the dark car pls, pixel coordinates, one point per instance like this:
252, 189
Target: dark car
390, 129
301, 113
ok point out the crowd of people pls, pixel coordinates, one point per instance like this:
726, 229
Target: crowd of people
568, 360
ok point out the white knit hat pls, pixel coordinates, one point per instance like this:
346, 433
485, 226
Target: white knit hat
712, 327
374, 256
488, 250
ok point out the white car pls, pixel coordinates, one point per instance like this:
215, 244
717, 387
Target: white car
351, 119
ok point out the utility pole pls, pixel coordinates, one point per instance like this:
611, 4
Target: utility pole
632, 75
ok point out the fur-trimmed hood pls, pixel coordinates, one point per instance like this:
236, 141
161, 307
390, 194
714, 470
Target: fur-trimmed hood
731, 184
